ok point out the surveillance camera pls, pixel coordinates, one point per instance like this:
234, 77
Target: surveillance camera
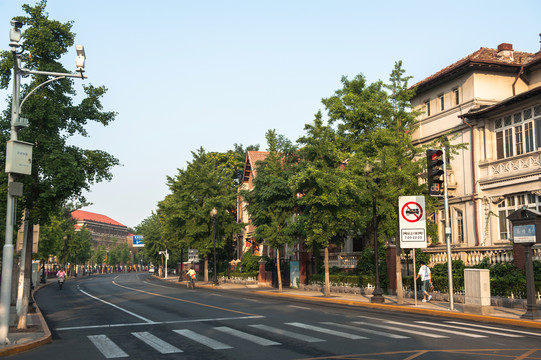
16, 24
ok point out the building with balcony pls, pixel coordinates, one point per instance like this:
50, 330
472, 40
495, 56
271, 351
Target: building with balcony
490, 101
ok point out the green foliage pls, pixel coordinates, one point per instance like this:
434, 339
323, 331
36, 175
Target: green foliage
505, 278
60, 171
240, 275
272, 202
150, 228
365, 263
249, 262
58, 237
184, 215
330, 202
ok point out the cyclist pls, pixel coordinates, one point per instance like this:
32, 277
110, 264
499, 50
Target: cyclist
61, 275
191, 277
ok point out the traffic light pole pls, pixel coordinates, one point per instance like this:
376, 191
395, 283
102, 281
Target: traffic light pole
448, 233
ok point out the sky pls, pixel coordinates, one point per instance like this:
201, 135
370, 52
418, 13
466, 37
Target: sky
188, 74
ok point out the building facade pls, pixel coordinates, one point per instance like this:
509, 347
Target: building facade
490, 102
105, 231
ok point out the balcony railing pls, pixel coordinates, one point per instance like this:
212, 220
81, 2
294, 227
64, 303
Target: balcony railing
475, 255
438, 255
344, 260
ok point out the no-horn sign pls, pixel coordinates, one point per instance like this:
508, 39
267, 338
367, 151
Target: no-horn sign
412, 222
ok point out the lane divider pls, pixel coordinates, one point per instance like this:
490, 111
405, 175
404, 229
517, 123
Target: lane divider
186, 301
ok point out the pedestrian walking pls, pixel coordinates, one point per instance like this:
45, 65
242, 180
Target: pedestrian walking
426, 279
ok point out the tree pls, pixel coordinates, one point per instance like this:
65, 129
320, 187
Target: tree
272, 203
329, 195
208, 181
60, 171
151, 230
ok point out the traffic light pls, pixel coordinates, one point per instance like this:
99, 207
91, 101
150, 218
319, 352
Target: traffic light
436, 175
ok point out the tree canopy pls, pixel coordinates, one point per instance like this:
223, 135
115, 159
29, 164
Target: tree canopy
60, 171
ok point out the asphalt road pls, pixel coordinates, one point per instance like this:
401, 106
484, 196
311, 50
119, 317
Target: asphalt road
140, 317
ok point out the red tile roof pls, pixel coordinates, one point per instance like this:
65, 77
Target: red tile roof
81, 215
252, 157
483, 56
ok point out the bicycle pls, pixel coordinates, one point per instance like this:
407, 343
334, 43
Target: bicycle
61, 280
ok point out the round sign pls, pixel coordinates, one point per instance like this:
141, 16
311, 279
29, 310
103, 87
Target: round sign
412, 212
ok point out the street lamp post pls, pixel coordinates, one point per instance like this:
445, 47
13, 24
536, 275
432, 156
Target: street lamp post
19, 165
213, 213
377, 294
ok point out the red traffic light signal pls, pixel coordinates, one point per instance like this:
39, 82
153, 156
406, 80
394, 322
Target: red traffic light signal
436, 175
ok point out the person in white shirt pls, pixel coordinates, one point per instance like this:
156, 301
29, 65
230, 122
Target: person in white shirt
424, 273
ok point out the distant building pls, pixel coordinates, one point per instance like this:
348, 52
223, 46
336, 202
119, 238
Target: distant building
246, 238
104, 230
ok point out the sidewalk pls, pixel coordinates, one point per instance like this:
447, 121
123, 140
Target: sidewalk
499, 315
38, 333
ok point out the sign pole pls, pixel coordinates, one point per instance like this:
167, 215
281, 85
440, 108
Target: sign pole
412, 222
448, 234
414, 280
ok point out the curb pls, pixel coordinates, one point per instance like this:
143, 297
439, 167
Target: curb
451, 314
45, 339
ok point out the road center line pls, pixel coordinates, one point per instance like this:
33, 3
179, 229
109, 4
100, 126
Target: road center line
117, 307
106, 326
183, 300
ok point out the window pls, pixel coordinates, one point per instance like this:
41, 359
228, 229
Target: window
459, 227
442, 104
427, 106
512, 203
519, 133
456, 96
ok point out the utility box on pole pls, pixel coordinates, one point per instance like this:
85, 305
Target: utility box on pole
477, 291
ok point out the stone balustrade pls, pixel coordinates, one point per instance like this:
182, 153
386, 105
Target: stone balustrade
343, 260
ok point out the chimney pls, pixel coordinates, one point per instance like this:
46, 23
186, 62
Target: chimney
505, 51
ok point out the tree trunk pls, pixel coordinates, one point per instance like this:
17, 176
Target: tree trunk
181, 272
399, 289
206, 269
29, 239
278, 269
327, 280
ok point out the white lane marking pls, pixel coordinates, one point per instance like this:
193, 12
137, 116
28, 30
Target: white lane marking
493, 328
326, 331
375, 332
108, 348
426, 334
157, 323
202, 339
157, 343
299, 307
245, 336
117, 307
432, 329
291, 334
462, 328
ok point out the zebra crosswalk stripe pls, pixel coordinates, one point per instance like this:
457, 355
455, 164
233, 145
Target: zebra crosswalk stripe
291, 334
438, 330
394, 328
370, 331
156, 343
467, 329
494, 328
202, 339
326, 331
107, 347
245, 336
